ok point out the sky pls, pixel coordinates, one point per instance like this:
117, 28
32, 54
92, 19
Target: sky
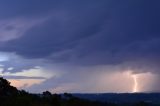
81, 46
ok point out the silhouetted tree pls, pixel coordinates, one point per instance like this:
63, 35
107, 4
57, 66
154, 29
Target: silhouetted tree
6, 89
47, 94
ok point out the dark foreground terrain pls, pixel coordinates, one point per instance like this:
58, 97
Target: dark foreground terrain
11, 96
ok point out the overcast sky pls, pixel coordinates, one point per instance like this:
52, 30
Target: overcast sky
81, 45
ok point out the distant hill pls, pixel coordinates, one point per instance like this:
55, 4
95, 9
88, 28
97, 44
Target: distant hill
122, 97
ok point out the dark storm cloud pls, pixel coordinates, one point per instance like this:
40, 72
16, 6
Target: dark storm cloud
22, 77
59, 33
26, 8
90, 32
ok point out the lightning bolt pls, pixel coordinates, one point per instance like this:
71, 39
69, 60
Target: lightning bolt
135, 88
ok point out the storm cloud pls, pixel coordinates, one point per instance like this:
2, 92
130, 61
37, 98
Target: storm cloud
69, 35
